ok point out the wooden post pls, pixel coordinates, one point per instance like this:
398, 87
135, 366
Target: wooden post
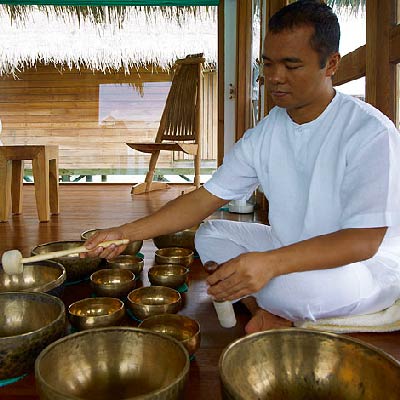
221, 82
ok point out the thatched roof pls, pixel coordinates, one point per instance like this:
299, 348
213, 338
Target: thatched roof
144, 36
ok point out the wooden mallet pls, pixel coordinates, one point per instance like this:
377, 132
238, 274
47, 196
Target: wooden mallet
13, 261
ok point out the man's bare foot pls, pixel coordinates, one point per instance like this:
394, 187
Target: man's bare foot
262, 320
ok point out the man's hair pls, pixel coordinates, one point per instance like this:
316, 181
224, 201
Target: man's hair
325, 40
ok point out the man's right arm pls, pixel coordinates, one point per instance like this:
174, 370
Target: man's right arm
181, 213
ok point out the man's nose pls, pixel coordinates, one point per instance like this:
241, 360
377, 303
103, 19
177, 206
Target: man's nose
275, 75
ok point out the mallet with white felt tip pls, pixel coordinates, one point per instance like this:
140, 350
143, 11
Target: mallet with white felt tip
13, 261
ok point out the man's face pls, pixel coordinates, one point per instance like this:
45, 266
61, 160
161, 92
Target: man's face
292, 70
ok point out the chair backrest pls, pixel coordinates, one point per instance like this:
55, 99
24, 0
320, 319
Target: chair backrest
181, 115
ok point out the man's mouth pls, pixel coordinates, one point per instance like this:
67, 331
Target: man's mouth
278, 93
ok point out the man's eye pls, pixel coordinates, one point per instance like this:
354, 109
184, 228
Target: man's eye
267, 65
293, 66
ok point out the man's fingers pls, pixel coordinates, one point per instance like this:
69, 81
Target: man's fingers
221, 274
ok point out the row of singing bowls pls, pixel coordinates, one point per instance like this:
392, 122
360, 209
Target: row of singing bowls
295, 364
43, 276
96, 312
28, 323
180, 327
76, 268
174, 255
171, 275
113, 363
131, 249
113, 282
154, 300
184, 238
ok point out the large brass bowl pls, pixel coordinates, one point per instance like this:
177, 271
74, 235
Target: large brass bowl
113, 282
124, 261
77, 268
295, 364
113, 363
28, 323
96, 312
154, 300
174, 255
171, 275
180, 327
184, 238
131, 249
43, 276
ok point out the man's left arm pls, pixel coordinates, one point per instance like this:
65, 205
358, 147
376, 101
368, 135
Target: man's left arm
249, 272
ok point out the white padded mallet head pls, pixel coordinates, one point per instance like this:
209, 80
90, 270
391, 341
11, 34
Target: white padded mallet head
12, 262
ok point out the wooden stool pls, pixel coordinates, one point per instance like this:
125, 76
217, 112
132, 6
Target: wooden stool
45, 173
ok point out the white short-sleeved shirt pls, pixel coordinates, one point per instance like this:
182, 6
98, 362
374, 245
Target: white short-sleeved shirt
341, 170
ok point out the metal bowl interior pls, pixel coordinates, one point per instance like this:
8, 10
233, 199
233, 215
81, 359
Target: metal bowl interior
131, 249
28, 323
76, 268
299, 364
184, 238
112, 282
174, 255
43, 276
96, 312
180, 327
154, 300
124, 261
171, 275
107, 363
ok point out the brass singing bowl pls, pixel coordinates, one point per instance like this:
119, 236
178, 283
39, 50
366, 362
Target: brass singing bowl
184, 238
174, 255
180, 327
154, 300
124, 261
112, 282
294, 364
171, 275
96, 312
43, 276
76, 268
131, 249
113, 363
28, 323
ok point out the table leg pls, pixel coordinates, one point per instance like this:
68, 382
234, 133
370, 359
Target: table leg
16, 185
5, 188
40, 169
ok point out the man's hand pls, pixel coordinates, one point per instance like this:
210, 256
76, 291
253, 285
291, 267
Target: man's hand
241, 276
102, 235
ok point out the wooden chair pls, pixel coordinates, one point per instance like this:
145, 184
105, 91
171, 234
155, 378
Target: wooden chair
179, 128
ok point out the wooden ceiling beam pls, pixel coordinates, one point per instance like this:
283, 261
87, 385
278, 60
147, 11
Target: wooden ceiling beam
352, 66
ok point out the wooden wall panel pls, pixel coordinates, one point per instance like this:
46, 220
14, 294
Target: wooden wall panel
44, 106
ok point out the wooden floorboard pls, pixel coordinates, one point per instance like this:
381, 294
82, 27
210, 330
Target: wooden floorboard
85, 206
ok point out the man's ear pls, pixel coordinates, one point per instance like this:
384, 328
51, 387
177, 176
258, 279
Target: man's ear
332, 64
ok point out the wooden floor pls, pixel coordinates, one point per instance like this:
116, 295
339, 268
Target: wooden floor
95, 206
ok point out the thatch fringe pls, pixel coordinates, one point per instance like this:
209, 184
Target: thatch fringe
143, 38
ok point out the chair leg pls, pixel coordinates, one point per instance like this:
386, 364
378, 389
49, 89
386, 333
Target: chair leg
197, 161
5, 188
16, 185
53, 186
152, 167
40, 169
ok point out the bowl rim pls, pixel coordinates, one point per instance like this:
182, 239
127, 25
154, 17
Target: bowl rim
180, 377
88, 299
172, 316
166, 266
150, 287
46, 287
189, 251
34, 249
114, 271
60, 316
331, 335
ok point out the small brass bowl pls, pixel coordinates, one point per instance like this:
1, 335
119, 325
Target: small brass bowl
112, 282
180, 327
174, 255
131, 249
123, 261
154, 300
76, 268
184, 238
43, 276
171, 275
28, 323
113, 363
296, 364
96, 312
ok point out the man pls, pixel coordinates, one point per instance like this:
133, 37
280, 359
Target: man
329, 167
